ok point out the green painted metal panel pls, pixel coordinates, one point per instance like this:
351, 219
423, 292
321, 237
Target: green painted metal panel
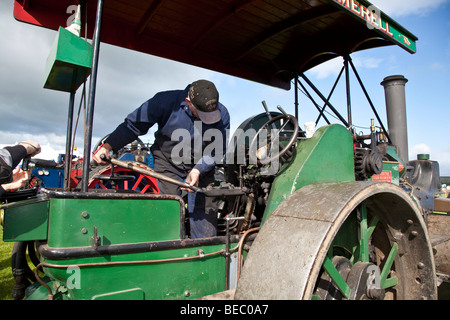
25, 220
69, 62
118, 221
186, 279
167, 274
325, 157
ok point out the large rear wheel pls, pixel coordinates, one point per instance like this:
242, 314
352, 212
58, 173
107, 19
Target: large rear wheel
351, 240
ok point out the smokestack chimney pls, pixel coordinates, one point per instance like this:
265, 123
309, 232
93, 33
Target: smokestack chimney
394, 90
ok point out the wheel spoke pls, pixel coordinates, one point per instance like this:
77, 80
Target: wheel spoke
137, 182
336, 277
364, 242
145, 188
101, 185
385, 282
366, 229
361, 252
372, 225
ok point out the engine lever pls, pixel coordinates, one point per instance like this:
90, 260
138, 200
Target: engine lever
267, 109
282, 111
25, 163
268, 113
151, 173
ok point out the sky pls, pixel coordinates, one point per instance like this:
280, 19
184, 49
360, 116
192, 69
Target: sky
126, 79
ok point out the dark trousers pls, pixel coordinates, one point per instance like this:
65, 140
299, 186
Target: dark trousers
202, 210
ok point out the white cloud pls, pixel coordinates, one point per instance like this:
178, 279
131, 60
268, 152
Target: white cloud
442, 156
367, 62
326, 69
398, 8
333, 66
125, 80
418, 149
438, 66
51, 144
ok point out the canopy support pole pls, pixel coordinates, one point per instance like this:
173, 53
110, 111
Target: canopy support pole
296, 95
68, 156
329, 97
370, 101
317, 91
348, 63
92, 89
347, 89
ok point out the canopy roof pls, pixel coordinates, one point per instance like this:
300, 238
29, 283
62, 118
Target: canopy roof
267, 41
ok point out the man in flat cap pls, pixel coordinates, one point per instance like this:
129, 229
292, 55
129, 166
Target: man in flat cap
193, 110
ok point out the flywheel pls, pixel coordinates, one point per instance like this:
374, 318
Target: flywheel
350, 240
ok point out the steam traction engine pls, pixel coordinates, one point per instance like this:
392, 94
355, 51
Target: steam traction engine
328, 215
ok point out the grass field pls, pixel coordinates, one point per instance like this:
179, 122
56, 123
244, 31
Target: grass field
6, 277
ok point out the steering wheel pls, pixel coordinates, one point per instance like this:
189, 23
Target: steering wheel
272, 149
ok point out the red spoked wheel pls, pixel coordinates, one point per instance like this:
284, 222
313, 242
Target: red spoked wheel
122, 179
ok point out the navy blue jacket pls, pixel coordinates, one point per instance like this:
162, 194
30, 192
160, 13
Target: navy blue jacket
170, 111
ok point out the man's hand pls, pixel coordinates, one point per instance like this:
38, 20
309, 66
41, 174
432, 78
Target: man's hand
103, 149
20, 180
192, 179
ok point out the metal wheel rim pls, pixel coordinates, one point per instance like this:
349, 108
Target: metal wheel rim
290, 270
